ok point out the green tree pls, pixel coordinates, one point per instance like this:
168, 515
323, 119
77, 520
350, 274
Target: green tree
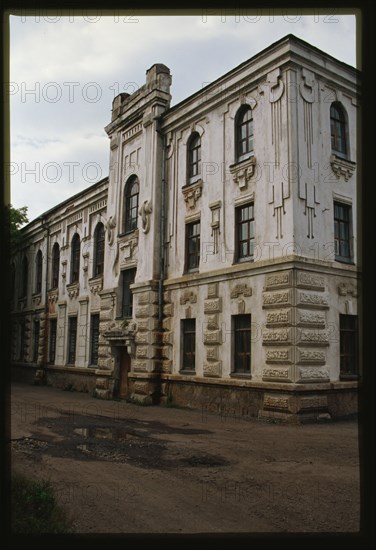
16, 217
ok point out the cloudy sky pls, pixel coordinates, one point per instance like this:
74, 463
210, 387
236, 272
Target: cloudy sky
65, 72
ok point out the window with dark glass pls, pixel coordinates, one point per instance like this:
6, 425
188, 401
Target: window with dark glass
72, 340
189, 344
245, 232
244, 134
94, 339
348, 345
127, 296
12, 283
99, 249
24, 277
131, 204
194, 156
75, 259
22, 340
342, 232
38, 272
242, 343
55, 266
192, 246
36, 341
52, 341
338, 130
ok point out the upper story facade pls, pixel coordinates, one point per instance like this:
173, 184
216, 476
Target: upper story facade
257, 166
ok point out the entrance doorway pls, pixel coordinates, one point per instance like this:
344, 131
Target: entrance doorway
124, 368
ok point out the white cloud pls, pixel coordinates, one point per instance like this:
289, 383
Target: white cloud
88, 64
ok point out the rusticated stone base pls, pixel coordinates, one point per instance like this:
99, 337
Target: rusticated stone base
288, 404
73, 379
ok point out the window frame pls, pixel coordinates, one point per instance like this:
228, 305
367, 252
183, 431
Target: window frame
52, 341
239, 140
126, 311
38, 272
55, 266
94, 343
22, 352
130, 210
72, 339
246, 330
99, 249
339, 131
189, 238
337, 224
345, 333
194, 158
250, 230
75, 259
36, 337
188, 336
24, 277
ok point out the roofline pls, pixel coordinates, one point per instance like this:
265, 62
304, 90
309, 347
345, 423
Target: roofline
66, 201
285, 38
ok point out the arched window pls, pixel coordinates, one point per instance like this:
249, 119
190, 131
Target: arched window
194, 157
75, 259
244, 133
24, 277
338, 130
55, 266
38, 272
131, 204
98, 249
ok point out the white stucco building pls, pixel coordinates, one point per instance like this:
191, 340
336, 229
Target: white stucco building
217, 266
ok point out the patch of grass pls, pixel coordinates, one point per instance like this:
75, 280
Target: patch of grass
35, 509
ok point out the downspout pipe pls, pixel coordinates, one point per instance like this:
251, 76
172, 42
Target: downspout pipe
46, 226
162, 226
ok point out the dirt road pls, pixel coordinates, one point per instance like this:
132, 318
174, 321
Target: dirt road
121, 468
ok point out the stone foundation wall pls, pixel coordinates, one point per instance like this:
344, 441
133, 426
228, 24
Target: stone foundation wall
78, 381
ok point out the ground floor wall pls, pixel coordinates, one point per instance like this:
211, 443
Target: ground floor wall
65, 378
294, 369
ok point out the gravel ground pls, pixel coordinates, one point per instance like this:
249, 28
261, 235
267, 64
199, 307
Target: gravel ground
122, 468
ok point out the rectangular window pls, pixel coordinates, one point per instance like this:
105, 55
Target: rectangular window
242, 343
192, 246
36, 341
189, 344
52, 339
72, 340
348, 326
94, 339
22, 340
245, 232
342, 232
128, 277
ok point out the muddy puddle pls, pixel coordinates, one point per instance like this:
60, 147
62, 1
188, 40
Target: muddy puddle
115, 442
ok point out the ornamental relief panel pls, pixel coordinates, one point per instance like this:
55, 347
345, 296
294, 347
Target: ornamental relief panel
273, 299
311, 318
311, 356
279, 280
313, 373
278, 355
277, 336
310, 281
241, 289
276, 373
313, 300
213, 369
278, 317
